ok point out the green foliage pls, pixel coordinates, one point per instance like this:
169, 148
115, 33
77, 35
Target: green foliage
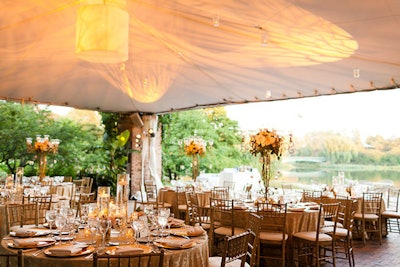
210, 124
115, 150
78, 145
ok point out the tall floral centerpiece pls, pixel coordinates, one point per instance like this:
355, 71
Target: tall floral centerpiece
267, 143
42, 147
194, 147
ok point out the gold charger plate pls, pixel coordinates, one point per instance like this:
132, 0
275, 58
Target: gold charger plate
84, 251
146, 249
37, 245
186, 246
183, 232
30, 233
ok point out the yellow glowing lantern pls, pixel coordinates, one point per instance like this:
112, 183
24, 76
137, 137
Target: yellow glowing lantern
102, 32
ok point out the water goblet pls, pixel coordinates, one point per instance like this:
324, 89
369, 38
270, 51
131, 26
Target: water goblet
148, 209
60, 223
50, 218
92, 226
146, 227
137, 225
162, 220
103, 226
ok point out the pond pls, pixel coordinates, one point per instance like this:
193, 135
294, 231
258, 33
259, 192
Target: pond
325, 177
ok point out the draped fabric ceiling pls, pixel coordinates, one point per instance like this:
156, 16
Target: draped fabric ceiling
178, 59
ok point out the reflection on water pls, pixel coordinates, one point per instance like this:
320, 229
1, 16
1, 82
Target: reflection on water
325, 177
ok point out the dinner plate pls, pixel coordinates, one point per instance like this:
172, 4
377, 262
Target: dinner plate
31, 233
37, 245
182, 232
146, 249
85, 251
186, 246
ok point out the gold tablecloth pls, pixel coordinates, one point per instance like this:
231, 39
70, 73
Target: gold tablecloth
191, 257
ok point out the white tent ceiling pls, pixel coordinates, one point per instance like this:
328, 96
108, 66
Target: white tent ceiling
179, 60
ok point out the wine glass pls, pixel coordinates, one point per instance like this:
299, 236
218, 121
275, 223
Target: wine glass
50, 218
103, 226
148, 209
137, 225
92, 226
60, 222
84, 212
162, 220
146, 227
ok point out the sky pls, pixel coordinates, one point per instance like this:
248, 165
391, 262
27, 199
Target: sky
369, 113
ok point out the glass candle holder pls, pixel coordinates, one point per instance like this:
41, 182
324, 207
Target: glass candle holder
122, 190
103, 201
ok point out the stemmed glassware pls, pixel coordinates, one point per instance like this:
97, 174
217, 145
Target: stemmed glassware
146, 227
50, 218
103, 226
162, 218
137, 225
60, 222
92, 226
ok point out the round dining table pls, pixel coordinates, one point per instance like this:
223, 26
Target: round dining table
195, 255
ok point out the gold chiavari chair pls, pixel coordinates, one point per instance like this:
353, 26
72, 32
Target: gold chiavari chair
234, 251
222, 222
12, 259
273, 232
18, 215
313, 247
43, 204
368, 221
154, 259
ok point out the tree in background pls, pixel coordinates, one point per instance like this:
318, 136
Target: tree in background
78, 141
210, 124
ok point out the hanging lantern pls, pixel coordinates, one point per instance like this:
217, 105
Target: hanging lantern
102, 32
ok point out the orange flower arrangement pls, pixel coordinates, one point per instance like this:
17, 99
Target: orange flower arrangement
266, 142
194, 148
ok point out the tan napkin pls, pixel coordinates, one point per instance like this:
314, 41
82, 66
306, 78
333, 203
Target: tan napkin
31, 242
195, 231
125, 250
65, 250
24, 232
174, 243
175, 222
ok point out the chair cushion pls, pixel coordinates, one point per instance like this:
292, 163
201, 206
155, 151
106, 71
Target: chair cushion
391, 214
216, 262
270, 236
182, 207
342, 232
330, 223
311, 236
367, 216
227, 231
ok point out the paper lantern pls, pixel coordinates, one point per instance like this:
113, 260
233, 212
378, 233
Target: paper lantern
102, 33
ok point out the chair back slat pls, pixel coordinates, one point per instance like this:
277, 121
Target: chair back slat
155, 259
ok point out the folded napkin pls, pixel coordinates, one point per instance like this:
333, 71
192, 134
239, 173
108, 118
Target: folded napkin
195, 231
174, 243
173, 223
31, 242
65, 250
24, 232
127, 250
